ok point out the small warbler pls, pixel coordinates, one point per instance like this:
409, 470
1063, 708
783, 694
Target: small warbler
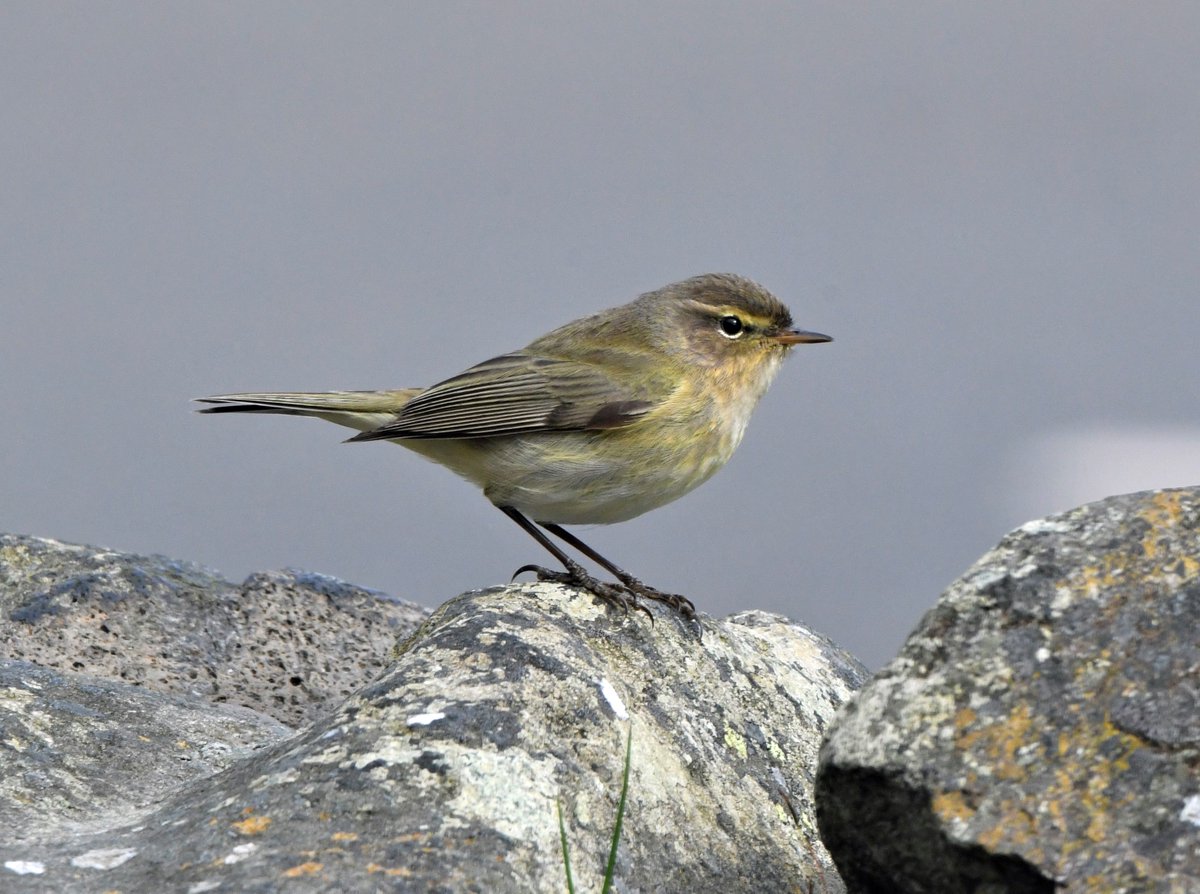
596, 422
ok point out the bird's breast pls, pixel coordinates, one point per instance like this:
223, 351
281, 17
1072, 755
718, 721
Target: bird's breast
602, 477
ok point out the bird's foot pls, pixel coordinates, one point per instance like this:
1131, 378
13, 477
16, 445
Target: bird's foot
616, 594
681, 604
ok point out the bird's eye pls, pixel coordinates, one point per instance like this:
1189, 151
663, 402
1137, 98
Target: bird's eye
731, 326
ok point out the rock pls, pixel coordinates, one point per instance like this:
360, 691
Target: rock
284, 643
79, 754
1040, 730
447, 771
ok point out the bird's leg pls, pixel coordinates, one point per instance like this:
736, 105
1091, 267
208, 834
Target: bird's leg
575, 575
681, 604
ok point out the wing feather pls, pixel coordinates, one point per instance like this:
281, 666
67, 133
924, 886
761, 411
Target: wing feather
516, 394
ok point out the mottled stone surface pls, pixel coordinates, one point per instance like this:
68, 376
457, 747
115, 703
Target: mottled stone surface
1040, 730
446, 771
79, 754
283, 642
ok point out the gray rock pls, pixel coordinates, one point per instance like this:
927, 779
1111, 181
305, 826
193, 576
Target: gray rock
79, 754
1040, 730
446, 772
284, 643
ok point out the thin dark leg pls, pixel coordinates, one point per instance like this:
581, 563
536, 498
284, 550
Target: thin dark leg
576, 574
680, 603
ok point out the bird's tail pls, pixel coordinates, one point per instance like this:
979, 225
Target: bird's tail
361, 410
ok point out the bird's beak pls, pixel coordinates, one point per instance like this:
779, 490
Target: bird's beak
799, 337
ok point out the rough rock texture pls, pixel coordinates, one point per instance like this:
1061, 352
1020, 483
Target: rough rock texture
1040, 731
445, 773
79, 754
284, 643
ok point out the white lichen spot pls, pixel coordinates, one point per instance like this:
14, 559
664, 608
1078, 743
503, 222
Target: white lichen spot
104, 858
25, 867
240, 853
388, 750
1191, 810
1042, 654
1044, 526
512, 790
614, 700
1063, 599
1025, 570
987, 577
14, 699
425, 719
209, 884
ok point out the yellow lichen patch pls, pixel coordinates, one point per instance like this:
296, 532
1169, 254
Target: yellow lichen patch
309, 868
735, 741
783, 815
1095, 754
952, 806
1095, 799
1077, 796
1164, 513
253, 825
1093, 579
999, 741
1165, 509
774, 749
1053, 808
344, 836
1014, 829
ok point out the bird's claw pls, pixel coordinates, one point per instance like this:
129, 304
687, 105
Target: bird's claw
618, 594
681, 604
558, 577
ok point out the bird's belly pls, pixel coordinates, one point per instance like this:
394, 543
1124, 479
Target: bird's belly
581, 477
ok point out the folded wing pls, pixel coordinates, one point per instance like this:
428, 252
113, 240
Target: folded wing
515, 394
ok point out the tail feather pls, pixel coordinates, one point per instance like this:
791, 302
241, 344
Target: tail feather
252, 408
361, 410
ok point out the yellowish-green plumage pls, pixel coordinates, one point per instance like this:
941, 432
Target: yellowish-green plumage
599, 421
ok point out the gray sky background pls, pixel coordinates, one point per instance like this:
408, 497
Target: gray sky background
994, 208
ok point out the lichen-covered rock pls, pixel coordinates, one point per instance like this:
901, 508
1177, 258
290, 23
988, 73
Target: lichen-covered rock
284, 643
1040, 731
446, 773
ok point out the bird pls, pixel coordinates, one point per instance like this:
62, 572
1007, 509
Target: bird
596, 422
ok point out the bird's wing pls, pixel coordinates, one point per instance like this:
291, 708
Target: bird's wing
516, 394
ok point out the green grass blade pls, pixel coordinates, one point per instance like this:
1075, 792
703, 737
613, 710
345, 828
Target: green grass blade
611, 869
566, 851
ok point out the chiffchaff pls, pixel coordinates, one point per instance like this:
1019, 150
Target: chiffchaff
596, 422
